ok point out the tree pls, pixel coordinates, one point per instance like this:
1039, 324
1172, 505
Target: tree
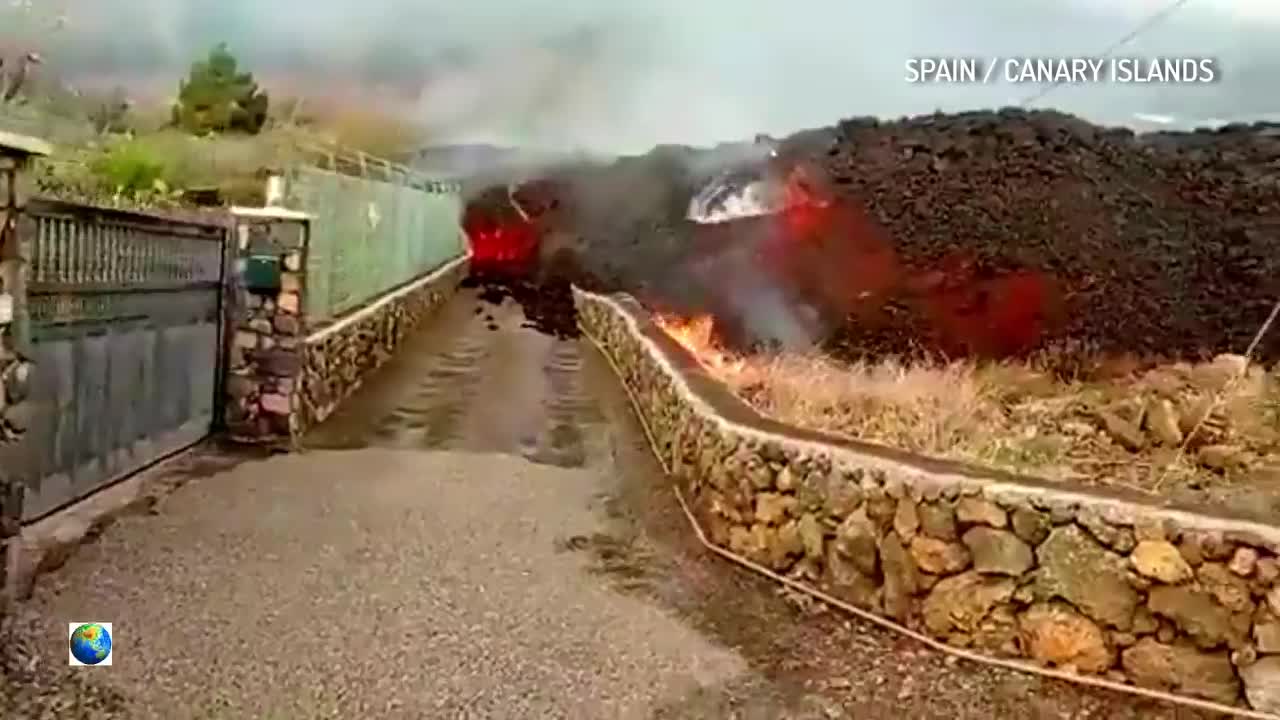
216, 97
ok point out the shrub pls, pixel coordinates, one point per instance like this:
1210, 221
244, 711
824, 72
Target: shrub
131, 168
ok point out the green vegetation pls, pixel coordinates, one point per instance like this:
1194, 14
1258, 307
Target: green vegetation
211, 145
217, 98
131, 169
164, 167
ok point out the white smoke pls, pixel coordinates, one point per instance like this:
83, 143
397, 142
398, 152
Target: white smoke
623, 76
723, 200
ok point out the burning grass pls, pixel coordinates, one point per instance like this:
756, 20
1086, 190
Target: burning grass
1206, 432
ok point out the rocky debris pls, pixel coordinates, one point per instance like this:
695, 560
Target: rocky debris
1160, 561
1182, 669
906, 519
1030, 526
1267, 570
847, 581
1221, 458
1244, 561
1200, 547
1105, 531
548, 306
998, 552
1230, 590
1077, 569
856, 541
1056, 635
1266, 633
774, 508
938, 521
840, 495
976, 510
1262, 684
901, 577
960, 603
1125, 433
938, 556
813, 536
1207, 623
1162, 423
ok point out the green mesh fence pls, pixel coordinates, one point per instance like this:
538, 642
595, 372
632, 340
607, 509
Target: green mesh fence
369, 237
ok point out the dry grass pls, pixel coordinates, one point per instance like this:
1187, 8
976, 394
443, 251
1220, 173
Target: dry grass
925, 409
372, 133
1019, 417
958, 409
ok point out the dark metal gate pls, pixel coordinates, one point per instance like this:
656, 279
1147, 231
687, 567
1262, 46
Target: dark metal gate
125, 327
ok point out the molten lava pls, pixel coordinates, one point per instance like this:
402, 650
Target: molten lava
832, 250
697, 336
505, 244
502, 238
823, 253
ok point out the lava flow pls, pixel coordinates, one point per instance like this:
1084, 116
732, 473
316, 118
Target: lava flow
823, 254
697, 336
835, 252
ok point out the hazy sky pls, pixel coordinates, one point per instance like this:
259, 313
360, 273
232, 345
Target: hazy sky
623, 75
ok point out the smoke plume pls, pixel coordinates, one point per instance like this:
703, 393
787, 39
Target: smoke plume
622, 77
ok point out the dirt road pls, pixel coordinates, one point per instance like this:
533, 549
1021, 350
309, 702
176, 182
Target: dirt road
481, 533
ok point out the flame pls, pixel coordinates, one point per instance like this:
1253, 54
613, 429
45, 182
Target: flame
697, 335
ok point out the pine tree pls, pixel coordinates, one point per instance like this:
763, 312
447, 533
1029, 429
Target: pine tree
216, 97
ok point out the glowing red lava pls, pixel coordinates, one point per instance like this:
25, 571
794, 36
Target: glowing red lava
834, 251
500, 242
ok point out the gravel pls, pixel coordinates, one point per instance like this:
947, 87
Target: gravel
375, 583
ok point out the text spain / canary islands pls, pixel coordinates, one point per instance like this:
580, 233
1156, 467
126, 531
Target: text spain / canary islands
1061, 70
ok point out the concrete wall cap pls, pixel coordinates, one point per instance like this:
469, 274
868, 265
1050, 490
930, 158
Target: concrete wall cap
23, 145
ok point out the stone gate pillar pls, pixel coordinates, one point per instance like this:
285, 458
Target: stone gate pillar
266, 322
16, 152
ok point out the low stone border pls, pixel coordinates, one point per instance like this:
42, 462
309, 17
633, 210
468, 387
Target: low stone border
337, 358
1109, 584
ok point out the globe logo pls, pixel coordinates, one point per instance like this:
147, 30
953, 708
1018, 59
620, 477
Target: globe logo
90, 643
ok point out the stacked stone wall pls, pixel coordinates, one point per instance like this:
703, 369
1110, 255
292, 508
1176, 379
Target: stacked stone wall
265, 329
337, 358
287, 370
1106, 584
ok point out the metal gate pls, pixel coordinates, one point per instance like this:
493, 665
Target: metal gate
124, 313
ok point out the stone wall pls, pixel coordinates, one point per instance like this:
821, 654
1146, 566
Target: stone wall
336, 358
265, 329
1105, 584
15, 369
287, 371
